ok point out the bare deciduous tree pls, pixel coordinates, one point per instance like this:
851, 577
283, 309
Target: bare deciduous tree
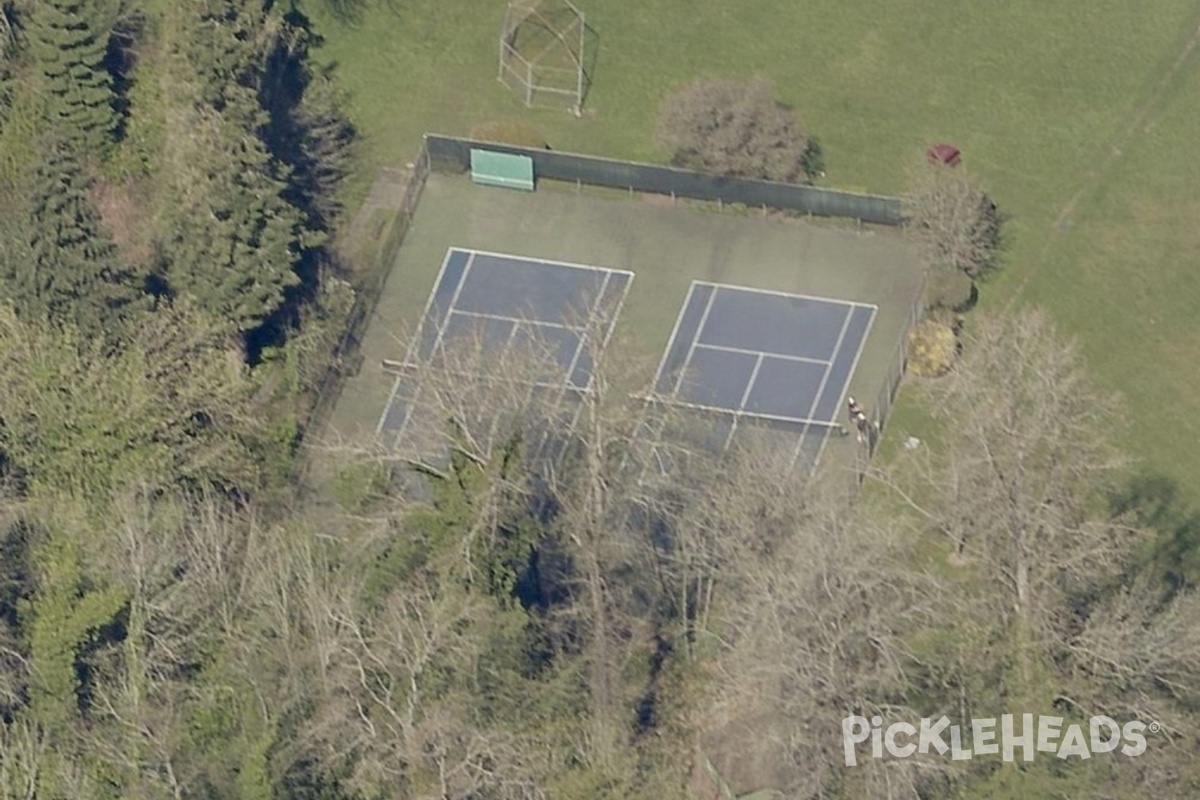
736, 129
610, 555
592, 575
957, 224
24, 756
182, 561
1024, 458
813, 599
1140, 654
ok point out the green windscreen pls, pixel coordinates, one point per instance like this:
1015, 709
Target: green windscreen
502, 169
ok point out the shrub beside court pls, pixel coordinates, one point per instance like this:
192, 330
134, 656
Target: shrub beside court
931, 349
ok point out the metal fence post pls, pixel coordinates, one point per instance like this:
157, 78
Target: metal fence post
676, 182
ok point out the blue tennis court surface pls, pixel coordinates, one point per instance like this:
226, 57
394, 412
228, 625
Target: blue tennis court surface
764, 358
502, 303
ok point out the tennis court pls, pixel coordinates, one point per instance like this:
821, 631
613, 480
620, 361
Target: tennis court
540, 260
557, 315
765, 358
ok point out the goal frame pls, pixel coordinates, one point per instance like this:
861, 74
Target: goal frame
529, 70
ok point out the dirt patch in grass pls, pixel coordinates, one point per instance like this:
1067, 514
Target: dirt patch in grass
118, 204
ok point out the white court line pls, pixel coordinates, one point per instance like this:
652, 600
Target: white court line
412, 345
409, 360
768, 353
515, 320
429, 301
453, 302
836, 349
850, 306
540, 384
609, 320
607, 271
512, 334
416, 395
583, 334
611, 324
745, 396
552, 262
687, 303
751, 290
612, 321
748, 414
387, 407
824, 380
862, 344
750, 383
695, 340
462, 281
574, 425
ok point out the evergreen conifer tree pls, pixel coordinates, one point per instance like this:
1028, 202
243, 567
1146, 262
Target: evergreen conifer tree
68, 40
238, 238
73, 272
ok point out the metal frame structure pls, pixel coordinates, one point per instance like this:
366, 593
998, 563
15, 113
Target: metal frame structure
535, 35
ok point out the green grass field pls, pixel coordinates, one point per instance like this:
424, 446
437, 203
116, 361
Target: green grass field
1083, 105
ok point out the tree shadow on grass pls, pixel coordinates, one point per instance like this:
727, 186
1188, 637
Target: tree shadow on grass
351, 12
591, 57
1172, 557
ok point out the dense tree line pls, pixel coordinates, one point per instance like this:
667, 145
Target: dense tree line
231, 163
511, 632
156, 237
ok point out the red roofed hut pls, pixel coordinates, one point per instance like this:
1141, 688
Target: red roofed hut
945, 154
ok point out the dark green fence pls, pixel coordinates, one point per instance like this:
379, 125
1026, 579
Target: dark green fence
449, 154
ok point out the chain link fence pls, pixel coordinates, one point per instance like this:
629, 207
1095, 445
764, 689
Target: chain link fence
898, 365
450, 154
345, 360
887, 394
